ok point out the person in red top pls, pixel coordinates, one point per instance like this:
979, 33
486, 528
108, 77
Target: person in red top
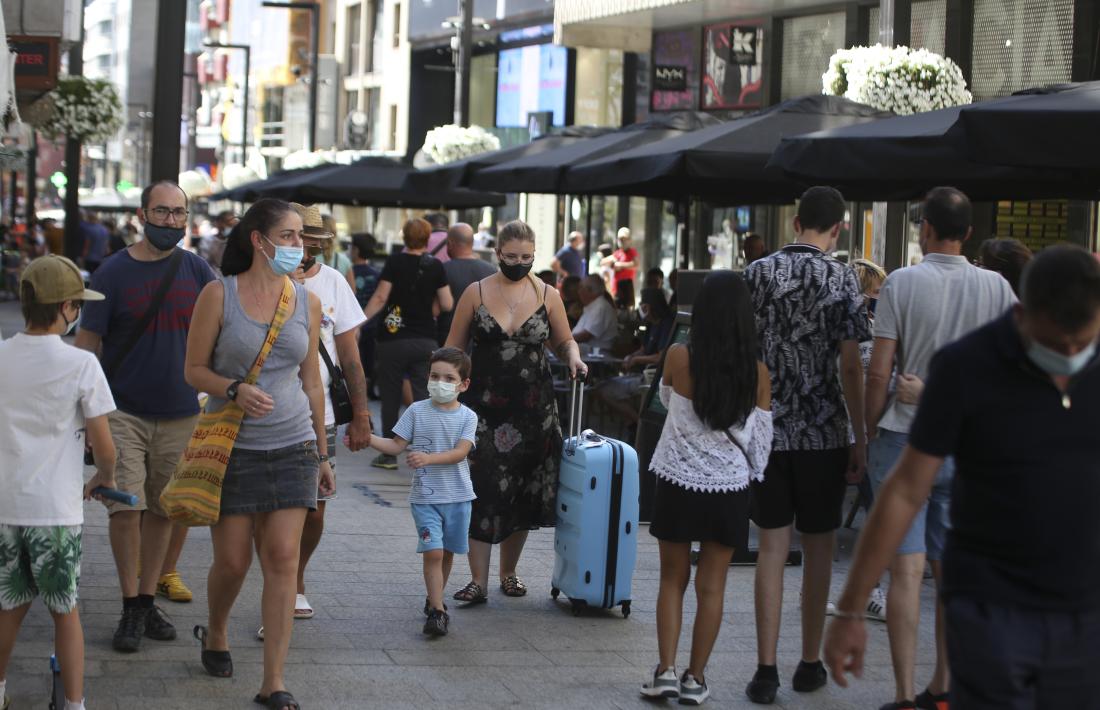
625, 263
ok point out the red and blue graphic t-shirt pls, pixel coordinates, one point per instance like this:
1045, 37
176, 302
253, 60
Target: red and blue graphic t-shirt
149, 382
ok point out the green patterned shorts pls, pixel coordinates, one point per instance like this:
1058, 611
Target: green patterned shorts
40, 561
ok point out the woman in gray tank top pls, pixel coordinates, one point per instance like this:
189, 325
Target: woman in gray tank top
281, 451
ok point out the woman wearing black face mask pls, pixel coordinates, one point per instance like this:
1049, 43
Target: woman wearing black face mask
511, 317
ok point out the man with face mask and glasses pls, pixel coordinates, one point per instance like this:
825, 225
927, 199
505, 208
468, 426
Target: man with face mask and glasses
139, 331
1016, 404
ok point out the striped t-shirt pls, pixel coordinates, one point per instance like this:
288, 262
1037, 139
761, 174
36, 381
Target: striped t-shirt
432, 430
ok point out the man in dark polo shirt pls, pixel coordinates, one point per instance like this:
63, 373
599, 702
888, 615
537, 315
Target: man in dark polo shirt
1017, 404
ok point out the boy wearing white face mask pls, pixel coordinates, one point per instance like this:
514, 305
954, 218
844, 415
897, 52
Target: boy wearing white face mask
440, 433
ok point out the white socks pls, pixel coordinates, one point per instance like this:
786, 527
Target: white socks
70, 705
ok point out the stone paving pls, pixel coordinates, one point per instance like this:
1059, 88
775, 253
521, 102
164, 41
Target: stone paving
364, 648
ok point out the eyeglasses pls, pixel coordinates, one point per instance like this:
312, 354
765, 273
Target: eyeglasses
514, 259
163, 213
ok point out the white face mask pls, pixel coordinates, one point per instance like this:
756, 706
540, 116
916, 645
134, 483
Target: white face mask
442, 392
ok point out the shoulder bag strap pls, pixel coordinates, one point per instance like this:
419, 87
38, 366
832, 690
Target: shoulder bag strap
282, 313
438, 247
150, 313
328, 360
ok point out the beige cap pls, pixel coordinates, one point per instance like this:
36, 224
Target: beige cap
56, 279
312, 223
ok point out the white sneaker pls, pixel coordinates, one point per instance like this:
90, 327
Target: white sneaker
662, 685
876, 605
692, 692
260, 634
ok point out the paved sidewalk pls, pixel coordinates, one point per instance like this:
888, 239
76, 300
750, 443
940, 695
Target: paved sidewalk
364, 648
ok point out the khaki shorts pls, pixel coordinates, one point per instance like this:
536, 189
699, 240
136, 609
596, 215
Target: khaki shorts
148, 452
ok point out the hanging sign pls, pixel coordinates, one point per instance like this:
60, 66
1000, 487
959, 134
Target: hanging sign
669, 77
36, 61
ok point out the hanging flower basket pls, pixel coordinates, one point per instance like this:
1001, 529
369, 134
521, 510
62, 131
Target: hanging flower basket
897, 79
83, 108
446, 144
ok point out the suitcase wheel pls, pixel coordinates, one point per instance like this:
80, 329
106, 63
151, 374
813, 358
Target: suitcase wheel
554, 592
626, 609
576, 605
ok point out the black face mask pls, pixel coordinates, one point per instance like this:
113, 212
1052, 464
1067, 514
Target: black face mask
515, 272
163, 238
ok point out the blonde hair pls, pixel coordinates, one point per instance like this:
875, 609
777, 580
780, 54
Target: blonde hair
869, 274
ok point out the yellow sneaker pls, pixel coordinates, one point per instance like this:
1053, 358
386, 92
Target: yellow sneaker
171, 586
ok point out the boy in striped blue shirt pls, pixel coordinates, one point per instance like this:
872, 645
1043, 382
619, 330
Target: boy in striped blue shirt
439, 433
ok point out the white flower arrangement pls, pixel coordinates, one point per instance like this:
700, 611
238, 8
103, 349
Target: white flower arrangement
446, 144
898, 79
83, 108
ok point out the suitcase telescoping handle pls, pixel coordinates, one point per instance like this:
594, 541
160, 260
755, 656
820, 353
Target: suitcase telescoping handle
576, 411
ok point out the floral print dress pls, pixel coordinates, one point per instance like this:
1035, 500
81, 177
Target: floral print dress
514, 466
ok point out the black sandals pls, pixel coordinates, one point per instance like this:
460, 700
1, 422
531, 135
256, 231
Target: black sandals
472, 594
217, 663
513, 586
279, 700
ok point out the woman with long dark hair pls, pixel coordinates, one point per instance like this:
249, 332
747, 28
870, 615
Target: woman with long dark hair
716, 438
281, 449
1007, 257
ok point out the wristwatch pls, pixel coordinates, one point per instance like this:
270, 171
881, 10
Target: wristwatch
231, 390
323, 457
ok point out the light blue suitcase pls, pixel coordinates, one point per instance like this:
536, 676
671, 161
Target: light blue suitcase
596, 538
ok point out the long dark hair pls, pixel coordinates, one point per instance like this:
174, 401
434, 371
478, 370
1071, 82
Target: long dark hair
262, 216
723, 351
1008, 257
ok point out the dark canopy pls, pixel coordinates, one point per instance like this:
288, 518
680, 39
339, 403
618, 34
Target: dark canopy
902, 158
545, 171
374, 181
1055, 127
723, 164
456, 173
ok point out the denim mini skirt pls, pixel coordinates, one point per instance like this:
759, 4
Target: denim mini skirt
263, 481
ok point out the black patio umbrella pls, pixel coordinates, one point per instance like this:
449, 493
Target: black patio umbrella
902, 158
278, 185
1052, 127
723, 164
372, 181
545, 171
456, 173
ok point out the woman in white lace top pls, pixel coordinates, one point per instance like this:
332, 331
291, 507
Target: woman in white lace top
716, 438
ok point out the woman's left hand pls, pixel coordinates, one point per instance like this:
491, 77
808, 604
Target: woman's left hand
327, 480
576, 365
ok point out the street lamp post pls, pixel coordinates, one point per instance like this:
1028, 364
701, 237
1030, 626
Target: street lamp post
315, 32
247, 72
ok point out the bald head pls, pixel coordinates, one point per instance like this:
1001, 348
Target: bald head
460, 241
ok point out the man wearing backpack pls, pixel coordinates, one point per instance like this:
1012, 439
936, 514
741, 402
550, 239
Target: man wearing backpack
139, 331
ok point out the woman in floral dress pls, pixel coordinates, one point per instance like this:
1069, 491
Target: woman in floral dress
512, 318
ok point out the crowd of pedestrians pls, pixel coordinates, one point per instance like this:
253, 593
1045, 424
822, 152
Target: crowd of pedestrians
962, 400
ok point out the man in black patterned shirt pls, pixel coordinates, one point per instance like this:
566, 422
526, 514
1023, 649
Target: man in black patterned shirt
810, 314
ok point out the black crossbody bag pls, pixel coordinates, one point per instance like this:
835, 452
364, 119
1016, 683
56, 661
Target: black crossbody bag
337, 390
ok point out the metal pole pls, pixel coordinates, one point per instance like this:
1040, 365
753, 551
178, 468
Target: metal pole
32, 179
315, 21
244, 112
73, 247
462, 62
168, 90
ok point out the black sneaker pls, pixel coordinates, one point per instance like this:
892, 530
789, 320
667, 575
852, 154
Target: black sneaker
428, 606
762, 688
157, 626
928, 701
809, 677
131, 627
437, 623
899, 705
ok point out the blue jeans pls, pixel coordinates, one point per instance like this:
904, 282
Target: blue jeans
928, 533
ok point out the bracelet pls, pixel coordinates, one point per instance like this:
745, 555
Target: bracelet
323, 458
850, 615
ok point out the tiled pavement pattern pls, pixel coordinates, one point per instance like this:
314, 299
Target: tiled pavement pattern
364, 648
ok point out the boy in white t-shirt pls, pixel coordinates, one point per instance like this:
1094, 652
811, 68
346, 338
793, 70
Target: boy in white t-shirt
441, 432
53, 394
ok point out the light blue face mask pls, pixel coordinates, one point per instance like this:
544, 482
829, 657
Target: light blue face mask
1057, 364
286, 260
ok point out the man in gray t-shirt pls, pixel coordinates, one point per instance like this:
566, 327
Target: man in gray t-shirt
921, 309
464, 268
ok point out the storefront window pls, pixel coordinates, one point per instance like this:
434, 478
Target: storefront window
599, 87
808, 43
1019, 44
675, 71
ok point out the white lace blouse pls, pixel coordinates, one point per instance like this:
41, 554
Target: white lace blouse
694, 456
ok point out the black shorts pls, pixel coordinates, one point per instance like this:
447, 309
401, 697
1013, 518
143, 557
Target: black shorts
682, 515
802, 487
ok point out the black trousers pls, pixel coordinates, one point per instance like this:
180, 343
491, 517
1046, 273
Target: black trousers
396, 359
1012, 658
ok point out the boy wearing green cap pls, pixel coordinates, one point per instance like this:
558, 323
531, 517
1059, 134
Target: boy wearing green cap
54, 396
